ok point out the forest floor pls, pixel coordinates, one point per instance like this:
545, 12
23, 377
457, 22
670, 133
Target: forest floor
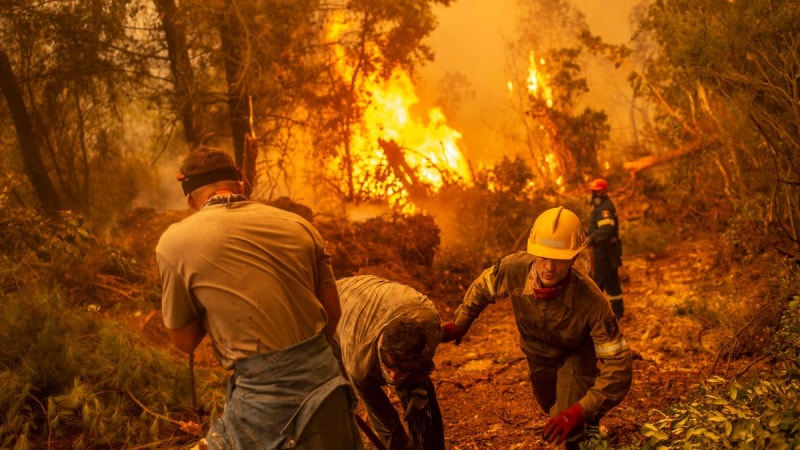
482, 384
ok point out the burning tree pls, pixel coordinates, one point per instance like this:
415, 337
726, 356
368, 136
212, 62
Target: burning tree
563, 142
375, 148
568, 154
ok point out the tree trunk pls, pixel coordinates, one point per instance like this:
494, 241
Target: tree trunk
238, 102
181, 66
27, 138
397, 162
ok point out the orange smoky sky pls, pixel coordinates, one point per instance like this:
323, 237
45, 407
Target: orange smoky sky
471, 40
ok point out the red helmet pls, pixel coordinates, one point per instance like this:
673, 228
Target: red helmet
598, 184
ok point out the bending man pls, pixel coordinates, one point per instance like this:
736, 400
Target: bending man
387, 335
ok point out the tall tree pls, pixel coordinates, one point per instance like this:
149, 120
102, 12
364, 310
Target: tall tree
76, 65
27, 137
173, 23
374, 41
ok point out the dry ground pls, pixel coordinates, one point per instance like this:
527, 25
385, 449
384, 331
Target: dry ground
482, 384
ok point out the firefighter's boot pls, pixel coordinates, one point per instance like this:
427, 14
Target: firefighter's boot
591, 434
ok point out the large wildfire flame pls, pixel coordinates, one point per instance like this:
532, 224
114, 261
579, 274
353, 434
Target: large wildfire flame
389, 136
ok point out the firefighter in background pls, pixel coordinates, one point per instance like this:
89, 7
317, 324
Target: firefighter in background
565, 326
387, 335
603, 239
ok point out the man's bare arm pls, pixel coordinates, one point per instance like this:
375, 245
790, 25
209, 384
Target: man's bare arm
188, 336
329, 297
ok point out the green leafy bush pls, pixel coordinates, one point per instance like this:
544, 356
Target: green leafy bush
56, 250
69, 376
728, 414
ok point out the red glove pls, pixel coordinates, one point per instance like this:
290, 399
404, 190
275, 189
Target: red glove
558, 428
450, 332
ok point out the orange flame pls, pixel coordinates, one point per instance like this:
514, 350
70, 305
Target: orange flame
539, 88
430, 147
537, 85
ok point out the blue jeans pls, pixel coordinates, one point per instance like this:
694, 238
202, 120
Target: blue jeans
290, 398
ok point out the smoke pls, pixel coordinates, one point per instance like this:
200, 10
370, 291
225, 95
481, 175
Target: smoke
471, 41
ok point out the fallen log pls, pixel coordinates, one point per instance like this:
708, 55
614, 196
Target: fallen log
634, 167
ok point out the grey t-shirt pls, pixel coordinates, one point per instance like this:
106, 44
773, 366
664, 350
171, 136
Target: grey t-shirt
369, 303
250, 271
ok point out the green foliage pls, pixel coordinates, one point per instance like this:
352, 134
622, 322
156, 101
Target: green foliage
32, 241
66, 373
562, 140
572, 138
761, 414
36, 248
401, 24
583, 134
725, 77
785, 345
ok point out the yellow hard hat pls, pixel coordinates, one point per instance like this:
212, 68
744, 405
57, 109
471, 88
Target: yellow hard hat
556, 234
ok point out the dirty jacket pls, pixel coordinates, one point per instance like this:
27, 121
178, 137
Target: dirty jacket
604, 233
369, 303
551, 329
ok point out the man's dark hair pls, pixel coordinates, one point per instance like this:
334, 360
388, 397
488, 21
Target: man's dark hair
203, 159
404, 339
205, 165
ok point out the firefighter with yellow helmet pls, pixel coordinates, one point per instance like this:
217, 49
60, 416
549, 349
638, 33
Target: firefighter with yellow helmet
565, 323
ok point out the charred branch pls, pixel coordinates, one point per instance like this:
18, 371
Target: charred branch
404, 172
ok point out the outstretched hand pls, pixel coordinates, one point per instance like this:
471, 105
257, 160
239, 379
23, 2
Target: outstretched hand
451, 332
